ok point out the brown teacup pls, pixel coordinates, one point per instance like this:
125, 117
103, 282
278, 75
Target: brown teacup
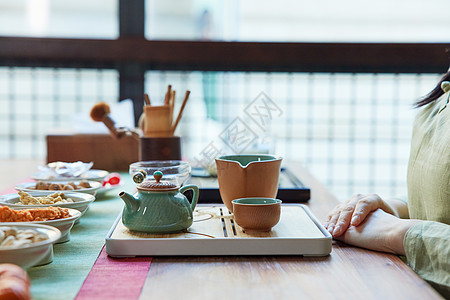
256, 214
247, 175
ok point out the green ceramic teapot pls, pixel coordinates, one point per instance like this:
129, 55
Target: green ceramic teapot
159, 207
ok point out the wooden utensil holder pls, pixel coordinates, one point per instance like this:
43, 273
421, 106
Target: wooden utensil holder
157, 121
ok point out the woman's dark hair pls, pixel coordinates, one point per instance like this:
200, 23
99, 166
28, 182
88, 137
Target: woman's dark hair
434, 94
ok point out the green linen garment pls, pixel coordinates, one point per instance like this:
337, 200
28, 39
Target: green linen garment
427, 244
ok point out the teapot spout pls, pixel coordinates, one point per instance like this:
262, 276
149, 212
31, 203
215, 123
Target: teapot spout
131, 203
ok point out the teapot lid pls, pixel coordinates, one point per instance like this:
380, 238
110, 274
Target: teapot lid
157, 185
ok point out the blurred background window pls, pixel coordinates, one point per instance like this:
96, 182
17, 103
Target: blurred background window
235, 20
59, 18
299, 21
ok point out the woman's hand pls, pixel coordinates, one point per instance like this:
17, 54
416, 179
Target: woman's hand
380, 231
353, 212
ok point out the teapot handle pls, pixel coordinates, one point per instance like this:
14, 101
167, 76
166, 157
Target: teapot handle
195, 191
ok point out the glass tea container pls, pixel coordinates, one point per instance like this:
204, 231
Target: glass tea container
175, 171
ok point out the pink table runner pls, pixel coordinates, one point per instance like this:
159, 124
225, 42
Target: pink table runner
115, 278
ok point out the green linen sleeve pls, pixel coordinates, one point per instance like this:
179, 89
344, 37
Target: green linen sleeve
427, 247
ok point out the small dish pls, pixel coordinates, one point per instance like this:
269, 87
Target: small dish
94, 175
30, 187
256, 214
35, 254
64, 225
81, 201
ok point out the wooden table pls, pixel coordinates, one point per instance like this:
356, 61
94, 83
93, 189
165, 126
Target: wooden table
349, 272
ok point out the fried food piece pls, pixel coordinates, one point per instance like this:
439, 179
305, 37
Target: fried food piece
35, 214
55, 198
55, 187
9, 215
49, 213
84, 184
41, 185
27, 199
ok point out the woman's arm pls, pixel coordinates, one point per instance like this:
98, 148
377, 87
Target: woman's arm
399, 207
426, 244
427, 249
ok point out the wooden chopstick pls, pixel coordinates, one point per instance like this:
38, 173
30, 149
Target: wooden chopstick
147, 99
186, 97
168, 94
171, 105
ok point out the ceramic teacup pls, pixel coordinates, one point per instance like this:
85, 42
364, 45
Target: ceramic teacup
247, 175
257, 214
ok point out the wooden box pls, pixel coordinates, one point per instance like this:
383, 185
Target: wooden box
107, 152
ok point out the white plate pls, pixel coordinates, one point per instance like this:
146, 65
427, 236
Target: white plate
29, 187
64, 225
81, 201
31, 255
95, 175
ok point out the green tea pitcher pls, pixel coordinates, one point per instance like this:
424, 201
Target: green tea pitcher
159, 206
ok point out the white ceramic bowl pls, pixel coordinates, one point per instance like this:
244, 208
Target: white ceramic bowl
29, 187
81, 201
31, 255
64, 225
95, 175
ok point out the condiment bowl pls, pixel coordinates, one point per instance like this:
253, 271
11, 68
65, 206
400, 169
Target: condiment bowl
35, 254
256, 214
64, 225
29, 187
81, 200
95, 175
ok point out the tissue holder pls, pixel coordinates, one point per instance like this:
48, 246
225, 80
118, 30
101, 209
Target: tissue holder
105, 151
